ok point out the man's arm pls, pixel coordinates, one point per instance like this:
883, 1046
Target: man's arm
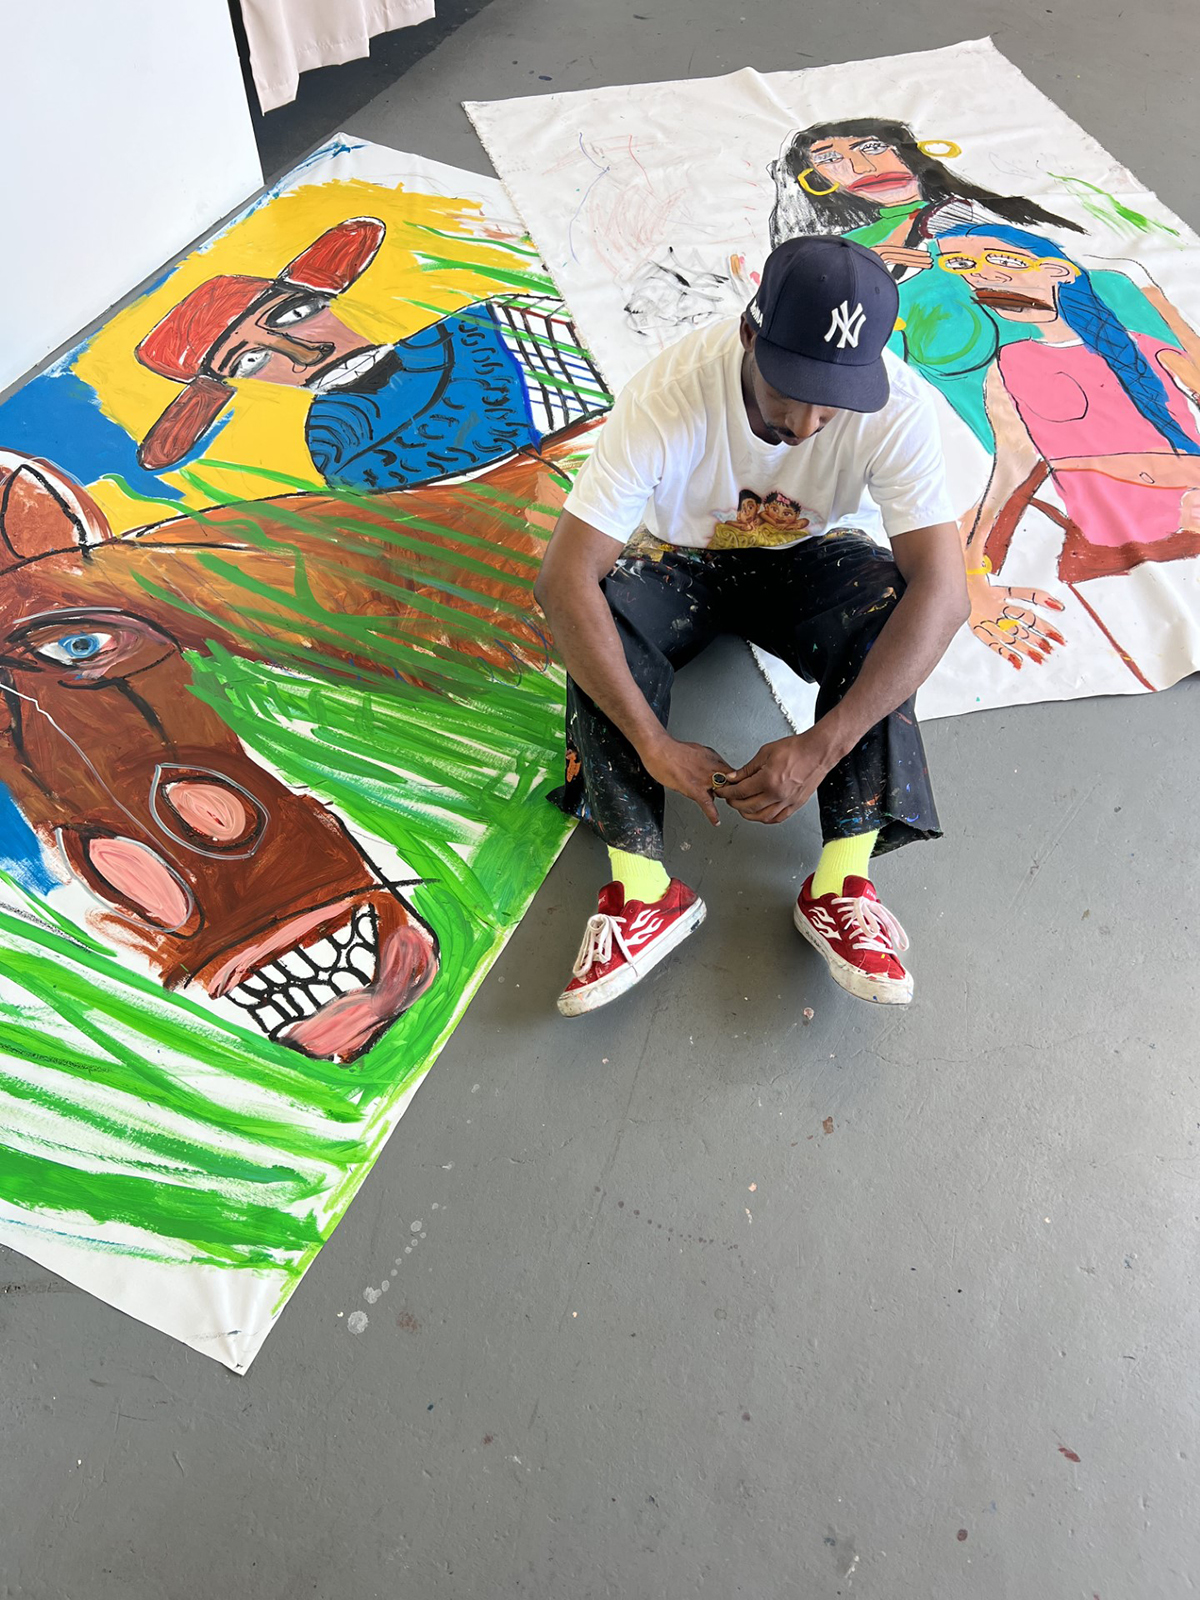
1015, 456
577, 559
1001, 617
1185, 365
784, 774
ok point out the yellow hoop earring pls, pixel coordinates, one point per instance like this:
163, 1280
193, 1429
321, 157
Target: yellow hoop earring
948, 152
808, 188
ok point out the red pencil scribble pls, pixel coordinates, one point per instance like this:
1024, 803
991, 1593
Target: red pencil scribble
1070, 1454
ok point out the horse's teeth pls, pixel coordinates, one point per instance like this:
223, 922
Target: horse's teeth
269, 1018
342, 935
322, 993
253, 984
363, 962
296, 963
345, 982
302, 1000
275, 975
323, 952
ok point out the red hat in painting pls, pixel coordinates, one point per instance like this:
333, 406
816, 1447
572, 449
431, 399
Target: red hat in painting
178, 347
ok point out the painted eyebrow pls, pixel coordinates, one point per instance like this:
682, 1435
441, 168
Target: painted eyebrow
231, 355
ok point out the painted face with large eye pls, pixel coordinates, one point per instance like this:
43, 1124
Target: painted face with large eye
1006, 278
293, 339
866, 166
87, 648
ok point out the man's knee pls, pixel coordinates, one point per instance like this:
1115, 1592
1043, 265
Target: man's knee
876, 583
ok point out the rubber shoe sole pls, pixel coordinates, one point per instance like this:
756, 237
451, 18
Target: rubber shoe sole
880, 991
601, 993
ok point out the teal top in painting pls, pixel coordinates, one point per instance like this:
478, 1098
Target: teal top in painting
952, 341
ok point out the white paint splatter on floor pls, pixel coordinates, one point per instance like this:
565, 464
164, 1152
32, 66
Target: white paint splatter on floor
358, 1319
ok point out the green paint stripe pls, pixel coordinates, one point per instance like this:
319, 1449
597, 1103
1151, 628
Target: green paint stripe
249, 1235
538, 282
391, 514
486, 243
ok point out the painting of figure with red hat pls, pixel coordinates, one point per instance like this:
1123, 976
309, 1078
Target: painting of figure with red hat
443, 450
277, 712
467, 391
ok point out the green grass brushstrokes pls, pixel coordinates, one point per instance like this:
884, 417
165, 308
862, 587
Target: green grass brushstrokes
226, 1149
452, 813
1108, 209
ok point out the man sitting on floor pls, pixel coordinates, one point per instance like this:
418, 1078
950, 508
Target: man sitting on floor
797, 400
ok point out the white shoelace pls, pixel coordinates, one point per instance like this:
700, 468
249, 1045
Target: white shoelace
871, 926
597, 944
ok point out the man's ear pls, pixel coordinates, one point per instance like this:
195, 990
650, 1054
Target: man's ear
748, 334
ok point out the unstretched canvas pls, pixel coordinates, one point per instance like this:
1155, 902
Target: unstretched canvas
1046, 295
278, 716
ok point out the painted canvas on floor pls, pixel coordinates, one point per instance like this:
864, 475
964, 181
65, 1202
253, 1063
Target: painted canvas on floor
1048, 297
277, 716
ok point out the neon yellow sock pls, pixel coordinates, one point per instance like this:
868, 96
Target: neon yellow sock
842, 859
641, 877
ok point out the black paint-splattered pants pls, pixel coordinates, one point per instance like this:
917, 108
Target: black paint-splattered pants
819, 606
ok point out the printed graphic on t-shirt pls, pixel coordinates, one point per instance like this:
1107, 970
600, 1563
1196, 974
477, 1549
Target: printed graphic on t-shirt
760, 520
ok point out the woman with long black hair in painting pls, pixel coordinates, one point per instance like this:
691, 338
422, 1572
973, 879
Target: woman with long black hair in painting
871, 180
874, 182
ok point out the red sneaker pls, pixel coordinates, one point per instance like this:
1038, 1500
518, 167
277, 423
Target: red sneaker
622, 942
859, 939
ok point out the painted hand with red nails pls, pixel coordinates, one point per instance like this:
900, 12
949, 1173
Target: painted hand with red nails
1003, 619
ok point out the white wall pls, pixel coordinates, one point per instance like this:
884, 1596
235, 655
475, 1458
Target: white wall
126, 134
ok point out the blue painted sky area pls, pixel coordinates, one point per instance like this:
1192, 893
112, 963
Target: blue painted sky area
20, 851
58, 417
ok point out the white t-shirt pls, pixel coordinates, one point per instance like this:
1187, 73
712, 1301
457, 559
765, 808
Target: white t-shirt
677, 452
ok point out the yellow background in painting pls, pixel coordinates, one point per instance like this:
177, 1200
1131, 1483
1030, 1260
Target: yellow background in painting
265, 425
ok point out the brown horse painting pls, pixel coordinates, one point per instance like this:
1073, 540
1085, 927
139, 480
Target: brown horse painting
199, 857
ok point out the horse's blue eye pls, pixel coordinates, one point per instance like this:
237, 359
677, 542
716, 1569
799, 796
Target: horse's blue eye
81, 646
73, 647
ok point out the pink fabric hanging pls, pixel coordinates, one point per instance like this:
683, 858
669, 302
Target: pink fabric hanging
288, 37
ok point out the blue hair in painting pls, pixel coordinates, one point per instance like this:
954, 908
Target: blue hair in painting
1083, 311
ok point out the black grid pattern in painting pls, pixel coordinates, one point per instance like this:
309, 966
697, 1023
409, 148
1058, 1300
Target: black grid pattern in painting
562, 382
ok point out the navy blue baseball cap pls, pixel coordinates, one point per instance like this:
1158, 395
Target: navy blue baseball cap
824, 310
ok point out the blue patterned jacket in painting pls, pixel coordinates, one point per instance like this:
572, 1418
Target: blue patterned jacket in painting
455, 397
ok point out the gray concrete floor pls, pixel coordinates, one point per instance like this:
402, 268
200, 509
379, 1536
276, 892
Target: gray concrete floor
716, 1303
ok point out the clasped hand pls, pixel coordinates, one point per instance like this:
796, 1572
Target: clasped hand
771, 787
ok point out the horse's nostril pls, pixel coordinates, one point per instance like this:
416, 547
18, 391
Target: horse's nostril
206, 811
141, 878
210, 809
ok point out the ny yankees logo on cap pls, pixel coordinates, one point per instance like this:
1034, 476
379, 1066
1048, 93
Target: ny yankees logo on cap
824, 310
848, 323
